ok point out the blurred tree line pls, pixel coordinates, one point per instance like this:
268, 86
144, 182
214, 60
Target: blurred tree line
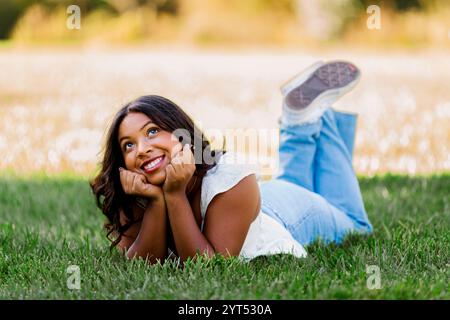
308, 10
12, 10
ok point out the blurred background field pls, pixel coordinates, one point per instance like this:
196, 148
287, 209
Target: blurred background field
292, 23
223, 62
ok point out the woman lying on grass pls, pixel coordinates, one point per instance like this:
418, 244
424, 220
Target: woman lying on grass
164, 197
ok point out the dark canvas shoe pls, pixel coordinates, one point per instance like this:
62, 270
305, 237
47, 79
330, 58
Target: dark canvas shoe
309, 94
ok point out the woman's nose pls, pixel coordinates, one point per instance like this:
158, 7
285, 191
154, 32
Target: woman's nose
144, 148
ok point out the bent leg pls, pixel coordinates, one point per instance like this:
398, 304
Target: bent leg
297, 148
334, 177
305, 214
296, 153
346, 125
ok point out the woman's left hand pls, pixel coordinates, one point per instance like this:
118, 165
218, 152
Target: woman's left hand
180, 170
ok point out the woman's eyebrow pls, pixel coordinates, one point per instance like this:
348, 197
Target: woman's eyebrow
123, 138
146, 124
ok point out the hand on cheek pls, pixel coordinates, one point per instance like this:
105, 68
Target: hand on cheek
180, 169
137, 185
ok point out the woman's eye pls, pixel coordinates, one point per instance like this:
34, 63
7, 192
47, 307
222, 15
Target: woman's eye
127, 146
152, 131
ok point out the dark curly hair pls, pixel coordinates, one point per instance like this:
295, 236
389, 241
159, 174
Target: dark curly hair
106, 186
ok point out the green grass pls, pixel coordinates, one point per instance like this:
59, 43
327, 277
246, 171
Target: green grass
48, 224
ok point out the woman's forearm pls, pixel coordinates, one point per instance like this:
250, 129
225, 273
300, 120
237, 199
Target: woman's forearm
151, 241
186, 233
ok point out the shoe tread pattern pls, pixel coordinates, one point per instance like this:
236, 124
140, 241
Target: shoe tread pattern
330, 76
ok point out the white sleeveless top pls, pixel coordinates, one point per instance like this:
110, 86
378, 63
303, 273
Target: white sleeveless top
266, 236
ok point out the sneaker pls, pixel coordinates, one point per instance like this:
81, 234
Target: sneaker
310, 93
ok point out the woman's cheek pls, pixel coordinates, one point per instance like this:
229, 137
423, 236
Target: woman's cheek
128, 162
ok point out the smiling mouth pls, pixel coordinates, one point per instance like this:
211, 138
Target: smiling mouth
153, 164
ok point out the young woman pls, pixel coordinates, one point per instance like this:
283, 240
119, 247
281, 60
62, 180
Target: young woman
162, 201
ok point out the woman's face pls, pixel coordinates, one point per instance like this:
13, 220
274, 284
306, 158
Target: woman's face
146, 148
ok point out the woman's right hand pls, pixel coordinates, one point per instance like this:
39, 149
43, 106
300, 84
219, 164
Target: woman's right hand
136, 184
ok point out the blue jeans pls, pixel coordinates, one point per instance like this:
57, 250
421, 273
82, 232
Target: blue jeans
316, 193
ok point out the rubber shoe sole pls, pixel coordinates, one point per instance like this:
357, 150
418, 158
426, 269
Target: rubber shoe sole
330, 79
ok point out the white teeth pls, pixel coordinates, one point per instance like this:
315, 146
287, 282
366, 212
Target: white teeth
153, 163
